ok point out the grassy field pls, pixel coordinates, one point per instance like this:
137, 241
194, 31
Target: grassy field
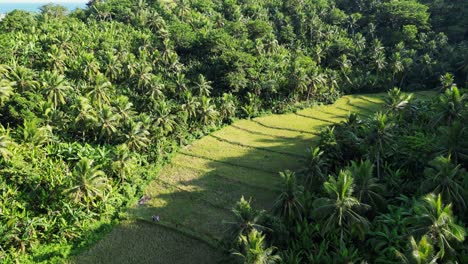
193, 195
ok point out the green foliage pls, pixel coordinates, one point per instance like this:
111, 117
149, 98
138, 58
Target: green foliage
84, 112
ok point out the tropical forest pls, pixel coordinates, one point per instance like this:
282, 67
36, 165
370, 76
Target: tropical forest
235, 131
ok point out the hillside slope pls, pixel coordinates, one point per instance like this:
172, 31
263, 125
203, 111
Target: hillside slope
193, 195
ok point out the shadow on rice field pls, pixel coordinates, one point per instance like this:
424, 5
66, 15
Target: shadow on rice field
194, 194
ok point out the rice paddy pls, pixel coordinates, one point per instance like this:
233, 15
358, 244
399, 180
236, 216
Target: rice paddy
193, 195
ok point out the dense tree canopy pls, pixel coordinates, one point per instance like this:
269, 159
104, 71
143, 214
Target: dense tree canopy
93, 102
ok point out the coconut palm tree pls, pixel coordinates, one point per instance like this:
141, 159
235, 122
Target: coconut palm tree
5, 143
207, 112
164, 119
379, 134
100, 93
123, 163
23, 78
367, 188
107, 123
315, 170
137, 137
445, 178
88, 182
203, 86
6, 90
246, 219
396, 101
451, 106
255, 251
55, 88
419, 252
340, 209
453, 142
288, 204
436, 220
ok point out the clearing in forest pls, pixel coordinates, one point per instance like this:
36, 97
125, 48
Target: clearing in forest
194, 194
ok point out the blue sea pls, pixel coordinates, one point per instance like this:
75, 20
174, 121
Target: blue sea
8, 6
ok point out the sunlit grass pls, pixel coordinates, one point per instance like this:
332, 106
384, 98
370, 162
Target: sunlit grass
194, 193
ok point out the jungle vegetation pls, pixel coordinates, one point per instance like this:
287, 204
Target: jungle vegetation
94, 102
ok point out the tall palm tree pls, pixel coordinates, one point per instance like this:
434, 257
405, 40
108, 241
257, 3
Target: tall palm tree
315, 170
341, 209
107, 122
86, 115
288, 203
6, 90
436, 220
123, 163
451, 106
445, 178
246, 219
22, 78
203, 86
88, 182
55, 88
207, 112
396, 101
35, 135
100, 93
420, 252
367, 188
164, 119
379, 134
124, 108
5, 143
137, 137
453, 142
255, 251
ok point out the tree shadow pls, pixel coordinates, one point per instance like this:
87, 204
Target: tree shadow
193, 195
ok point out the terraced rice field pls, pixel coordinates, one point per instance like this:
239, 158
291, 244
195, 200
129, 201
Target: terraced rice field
193, 195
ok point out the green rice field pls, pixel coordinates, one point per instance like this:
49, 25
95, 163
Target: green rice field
194, 193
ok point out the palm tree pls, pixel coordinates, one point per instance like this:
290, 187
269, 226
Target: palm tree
137, 137
100, 93
340, 209
56, 88
246, 219
22, 78
453, 142
5, 143
88, 182
164, 119
124, 108
397, 101
207, 112
6, 90
107, 122
445, 178
123, 163
420, 252
86, 115
255, 251
367, 188
203, 86
446, 81
451, 106
190, 104
287, 205
436, 220
315, 170
35, 135
228, 107
378, 135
